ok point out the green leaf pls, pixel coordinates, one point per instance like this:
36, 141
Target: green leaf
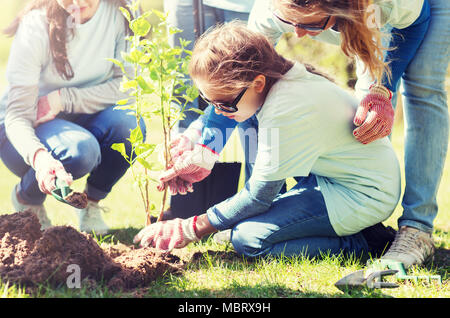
127, 57
140, 26
126, 85
123, 102
172, 65
180, 90
154, 75
145, 59
144, 150
184, 43
133, 57
118, 63
145, 164
136, 135
143, 84
120, 148
125, 13
192, 92
173, 30
136, 55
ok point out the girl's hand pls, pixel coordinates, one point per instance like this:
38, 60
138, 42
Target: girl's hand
190, 167
184, 142
375, 115
167, 235
181, 144
176, 186
47, 169
48, 108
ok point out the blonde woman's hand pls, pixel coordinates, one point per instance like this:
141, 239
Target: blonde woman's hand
375, 115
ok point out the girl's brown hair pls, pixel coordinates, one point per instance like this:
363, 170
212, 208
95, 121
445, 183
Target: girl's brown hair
358, 39
58, 31
230, 56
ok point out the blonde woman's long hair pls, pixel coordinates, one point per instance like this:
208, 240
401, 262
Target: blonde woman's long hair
358, 38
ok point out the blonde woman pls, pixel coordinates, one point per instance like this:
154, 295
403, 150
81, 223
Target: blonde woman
344, 190
418, 54
57, 116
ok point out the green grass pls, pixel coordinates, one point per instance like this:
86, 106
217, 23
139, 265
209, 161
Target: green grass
215, 271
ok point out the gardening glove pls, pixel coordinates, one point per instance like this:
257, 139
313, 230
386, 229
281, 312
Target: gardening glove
375, 115
167, 235
177, 186
184, 142
48, 108
47, 169
192, 166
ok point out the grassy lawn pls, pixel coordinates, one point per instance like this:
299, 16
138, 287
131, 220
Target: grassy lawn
215, 270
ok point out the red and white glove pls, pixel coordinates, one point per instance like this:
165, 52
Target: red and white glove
375, 115
48, 107
47, 169
190, 167
177, 186
167, 235
184, 142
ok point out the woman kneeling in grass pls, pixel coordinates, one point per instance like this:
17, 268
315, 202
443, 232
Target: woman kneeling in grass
304, 130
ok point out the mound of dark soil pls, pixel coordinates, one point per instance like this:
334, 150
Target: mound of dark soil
32, 257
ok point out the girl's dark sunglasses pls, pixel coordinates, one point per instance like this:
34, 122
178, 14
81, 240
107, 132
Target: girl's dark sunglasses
307, 27
226, 107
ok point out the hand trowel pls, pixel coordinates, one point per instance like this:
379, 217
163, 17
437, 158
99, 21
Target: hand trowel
66, 195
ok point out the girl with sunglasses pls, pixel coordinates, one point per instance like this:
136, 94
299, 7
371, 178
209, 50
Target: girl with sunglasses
344, 190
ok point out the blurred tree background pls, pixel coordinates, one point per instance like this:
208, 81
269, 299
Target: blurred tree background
327, 58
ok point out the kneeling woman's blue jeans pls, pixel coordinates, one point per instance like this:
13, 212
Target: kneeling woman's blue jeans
82, 143
296, 223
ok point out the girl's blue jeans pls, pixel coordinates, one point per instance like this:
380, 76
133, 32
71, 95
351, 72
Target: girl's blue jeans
82, 142
296, 223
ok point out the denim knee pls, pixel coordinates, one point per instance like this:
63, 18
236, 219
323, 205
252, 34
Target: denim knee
246, 242
79, 157
121, 125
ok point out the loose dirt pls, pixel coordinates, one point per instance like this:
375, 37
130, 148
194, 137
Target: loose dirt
32, 257
78, 200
